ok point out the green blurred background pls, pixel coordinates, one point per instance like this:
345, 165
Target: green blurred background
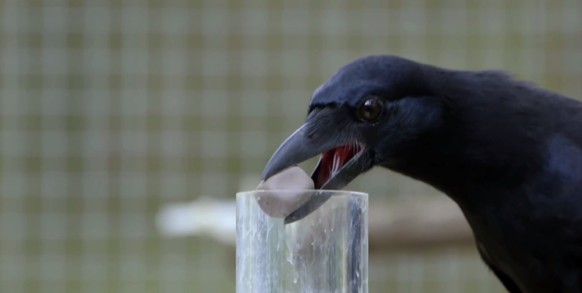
110, 109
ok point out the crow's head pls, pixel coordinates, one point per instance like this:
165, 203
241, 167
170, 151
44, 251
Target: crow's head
371, 112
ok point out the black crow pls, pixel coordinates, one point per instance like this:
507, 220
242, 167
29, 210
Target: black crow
508, 153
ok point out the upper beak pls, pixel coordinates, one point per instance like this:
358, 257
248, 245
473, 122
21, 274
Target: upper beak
315, 136
297, 148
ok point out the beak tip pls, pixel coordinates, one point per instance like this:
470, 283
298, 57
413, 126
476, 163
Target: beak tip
270, 170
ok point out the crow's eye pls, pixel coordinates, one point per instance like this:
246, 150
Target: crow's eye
370, 109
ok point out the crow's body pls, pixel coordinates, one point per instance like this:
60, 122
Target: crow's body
508, 153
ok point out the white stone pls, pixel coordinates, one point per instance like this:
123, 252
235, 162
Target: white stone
284, 192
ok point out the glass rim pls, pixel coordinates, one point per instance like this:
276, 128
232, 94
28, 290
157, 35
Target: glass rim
334, 192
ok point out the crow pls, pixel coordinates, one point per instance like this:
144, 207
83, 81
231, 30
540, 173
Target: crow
507, 152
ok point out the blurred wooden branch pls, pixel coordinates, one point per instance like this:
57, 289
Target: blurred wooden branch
419, 223
427, 222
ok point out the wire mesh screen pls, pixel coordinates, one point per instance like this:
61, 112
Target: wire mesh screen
110, 109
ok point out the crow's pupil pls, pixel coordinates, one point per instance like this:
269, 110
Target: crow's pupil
371, 105
369, 109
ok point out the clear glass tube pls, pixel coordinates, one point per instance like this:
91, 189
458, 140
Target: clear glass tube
327, 251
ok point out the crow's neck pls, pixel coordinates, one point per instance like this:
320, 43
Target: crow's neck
471, 180
490, 142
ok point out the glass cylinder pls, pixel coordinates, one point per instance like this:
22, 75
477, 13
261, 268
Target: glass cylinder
326, 251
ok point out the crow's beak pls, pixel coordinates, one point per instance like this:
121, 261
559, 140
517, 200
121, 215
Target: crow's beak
342, 158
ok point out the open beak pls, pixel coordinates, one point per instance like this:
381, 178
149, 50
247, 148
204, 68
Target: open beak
342, 158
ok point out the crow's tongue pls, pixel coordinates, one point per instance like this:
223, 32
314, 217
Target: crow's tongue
340, 155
